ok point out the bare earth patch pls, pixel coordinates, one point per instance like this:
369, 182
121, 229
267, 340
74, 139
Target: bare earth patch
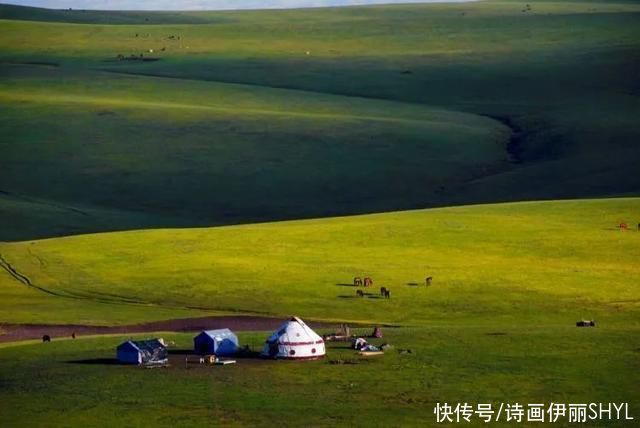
17, 332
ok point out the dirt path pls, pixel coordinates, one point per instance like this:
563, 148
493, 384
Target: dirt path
17, 332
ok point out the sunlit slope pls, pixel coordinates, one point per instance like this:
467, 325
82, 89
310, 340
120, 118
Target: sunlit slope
545, 262
173, 152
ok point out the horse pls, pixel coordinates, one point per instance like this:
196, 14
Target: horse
383, 290
357, 281
46, 338
387, 294
623, 226
428, 280
368, 281
360, 293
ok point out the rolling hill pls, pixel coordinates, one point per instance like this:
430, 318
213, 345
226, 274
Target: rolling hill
543, 262
240, 117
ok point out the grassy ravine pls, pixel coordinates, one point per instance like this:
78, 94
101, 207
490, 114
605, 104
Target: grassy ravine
269, 115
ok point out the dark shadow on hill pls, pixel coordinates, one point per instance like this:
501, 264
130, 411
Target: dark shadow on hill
515, 146
82, 16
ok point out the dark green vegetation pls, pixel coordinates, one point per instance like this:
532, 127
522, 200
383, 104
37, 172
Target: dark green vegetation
337, 111
68, 383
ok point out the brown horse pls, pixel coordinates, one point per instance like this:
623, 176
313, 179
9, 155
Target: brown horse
368, 281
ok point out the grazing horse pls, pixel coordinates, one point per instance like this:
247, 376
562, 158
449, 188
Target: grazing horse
360, 293
387, 294
357, 281
383, 290
368, 281
623, 226
46, 338
428, 280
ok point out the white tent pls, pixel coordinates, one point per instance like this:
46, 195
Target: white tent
294, 340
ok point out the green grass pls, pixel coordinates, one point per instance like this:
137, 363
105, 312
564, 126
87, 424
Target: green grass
317, 134
545, 263
42, 386
388, 111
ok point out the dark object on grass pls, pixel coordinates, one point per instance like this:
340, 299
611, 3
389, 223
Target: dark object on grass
360, 293
586, 323
141, 352
383, 290
46, 338
377, 332
357, 281
405, 351
73, 335
429, 280
368, 281
387, 294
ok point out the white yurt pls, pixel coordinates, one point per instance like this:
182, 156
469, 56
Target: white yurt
294, 340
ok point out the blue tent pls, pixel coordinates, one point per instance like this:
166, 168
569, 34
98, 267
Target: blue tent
218, 342
142, 352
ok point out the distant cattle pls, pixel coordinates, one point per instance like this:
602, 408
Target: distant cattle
623, 226
357, 281
383, 291
387, 294
46, 338
429, 280
360, 293
368, 281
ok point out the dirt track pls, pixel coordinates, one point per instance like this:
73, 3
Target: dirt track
17, 332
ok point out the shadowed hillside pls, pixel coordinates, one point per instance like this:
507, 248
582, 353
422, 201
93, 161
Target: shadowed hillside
192, 119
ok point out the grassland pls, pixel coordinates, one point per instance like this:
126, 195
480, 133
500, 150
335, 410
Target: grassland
258, 116
497, 325
545, 262
270, 115
46, 386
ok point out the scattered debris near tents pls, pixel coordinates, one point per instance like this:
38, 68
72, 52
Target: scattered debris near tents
143, 352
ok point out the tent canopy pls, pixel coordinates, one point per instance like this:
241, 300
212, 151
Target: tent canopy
219, 342
294, 340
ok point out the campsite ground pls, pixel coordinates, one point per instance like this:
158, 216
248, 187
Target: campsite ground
249, 117
74, 383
